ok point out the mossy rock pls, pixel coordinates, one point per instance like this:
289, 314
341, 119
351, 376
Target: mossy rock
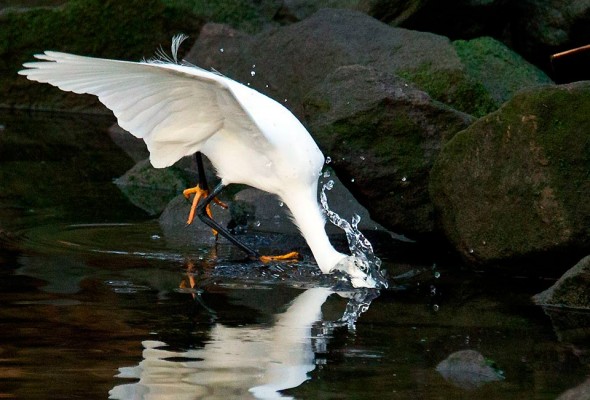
491, 75
123, 29
452, 87
150, 188
383, 135
500, 70
313, 48
513, 186
246, 15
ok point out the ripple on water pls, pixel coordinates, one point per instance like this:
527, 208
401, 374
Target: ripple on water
143, 243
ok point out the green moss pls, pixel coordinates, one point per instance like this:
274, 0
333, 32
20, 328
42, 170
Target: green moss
122, 29
370, 132
453, 88
516, 181
245, 15
562, 131
500, 70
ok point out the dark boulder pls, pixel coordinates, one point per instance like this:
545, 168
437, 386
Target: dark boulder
567, 303
514, 184
150, 188
536, 29
468, 370
571, 290
383, 135
287, 63
500, 71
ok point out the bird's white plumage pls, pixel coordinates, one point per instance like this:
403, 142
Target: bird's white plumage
179, 110
173, 108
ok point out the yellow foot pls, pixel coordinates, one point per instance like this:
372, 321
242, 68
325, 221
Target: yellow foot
191, 284
200, 194
283, 257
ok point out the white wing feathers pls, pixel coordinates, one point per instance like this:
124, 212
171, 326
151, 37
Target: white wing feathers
173, 108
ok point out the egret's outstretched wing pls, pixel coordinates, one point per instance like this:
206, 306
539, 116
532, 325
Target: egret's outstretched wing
173, 108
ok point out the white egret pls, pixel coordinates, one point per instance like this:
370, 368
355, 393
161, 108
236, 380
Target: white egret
181, 110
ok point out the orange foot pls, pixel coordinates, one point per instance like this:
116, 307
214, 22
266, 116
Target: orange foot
283, 257
200, 194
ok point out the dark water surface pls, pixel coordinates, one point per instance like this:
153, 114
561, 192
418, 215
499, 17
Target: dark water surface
95, 302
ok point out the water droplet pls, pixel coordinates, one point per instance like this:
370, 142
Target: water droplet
433, 290
329, 185
247, 83
435, 307
471, 251
221, 50
327, 174
404, 179
352, 180
281, 204
257, 223
285, 100
437, 274
155, 237
362, 158
253, 65
252, 73
328, 160
266, 86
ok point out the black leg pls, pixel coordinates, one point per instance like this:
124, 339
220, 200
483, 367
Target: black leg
201, 171
202, 213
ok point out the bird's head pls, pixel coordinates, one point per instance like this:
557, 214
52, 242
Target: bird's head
360, 272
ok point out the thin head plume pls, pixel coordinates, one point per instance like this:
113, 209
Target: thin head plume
163, 57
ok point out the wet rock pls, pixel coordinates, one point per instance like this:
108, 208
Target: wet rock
567, 303
570, 325
176, 231
253, 212
383, 135
571, 290
579, 392
468, 369
151, 188
192, 237
264, 212
133, 146
513, 185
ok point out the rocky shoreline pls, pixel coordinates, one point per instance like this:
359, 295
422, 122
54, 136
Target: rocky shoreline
452, 138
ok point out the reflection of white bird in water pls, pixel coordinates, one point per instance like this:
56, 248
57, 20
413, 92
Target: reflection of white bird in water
237, 362
180, 110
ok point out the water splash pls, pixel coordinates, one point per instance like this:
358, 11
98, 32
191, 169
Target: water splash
357, 242
358, 303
